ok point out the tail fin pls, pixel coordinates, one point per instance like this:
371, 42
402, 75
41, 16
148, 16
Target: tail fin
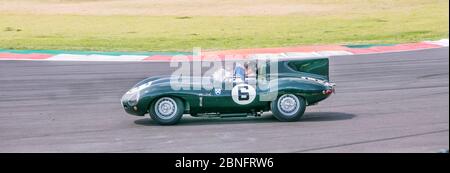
316, 67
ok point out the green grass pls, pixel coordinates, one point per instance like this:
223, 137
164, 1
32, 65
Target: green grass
170, 33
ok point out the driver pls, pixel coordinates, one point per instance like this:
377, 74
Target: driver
240, 72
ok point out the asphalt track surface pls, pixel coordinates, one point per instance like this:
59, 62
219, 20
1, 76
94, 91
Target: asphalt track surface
392, 102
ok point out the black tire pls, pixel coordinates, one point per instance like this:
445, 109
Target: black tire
287, 114
158, 110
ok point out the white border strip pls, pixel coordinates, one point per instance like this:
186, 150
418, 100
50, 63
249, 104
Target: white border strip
71, 57
442, 42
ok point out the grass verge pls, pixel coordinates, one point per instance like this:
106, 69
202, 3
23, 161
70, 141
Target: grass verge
171, 33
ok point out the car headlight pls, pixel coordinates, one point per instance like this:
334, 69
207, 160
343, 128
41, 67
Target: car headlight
134, 93
133, 99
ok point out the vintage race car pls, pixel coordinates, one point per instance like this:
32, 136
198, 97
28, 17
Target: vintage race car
296, 84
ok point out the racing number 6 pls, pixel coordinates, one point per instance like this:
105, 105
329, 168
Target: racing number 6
243, 93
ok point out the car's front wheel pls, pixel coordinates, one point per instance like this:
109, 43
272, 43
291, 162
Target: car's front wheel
167, 110
288, 107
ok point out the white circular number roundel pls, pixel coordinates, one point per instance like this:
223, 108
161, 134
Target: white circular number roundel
243, 94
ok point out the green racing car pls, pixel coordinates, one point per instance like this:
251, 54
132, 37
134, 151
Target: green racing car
284, 86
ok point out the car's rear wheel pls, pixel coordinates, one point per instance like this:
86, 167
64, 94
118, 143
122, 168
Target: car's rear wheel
167, 110
288, 107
